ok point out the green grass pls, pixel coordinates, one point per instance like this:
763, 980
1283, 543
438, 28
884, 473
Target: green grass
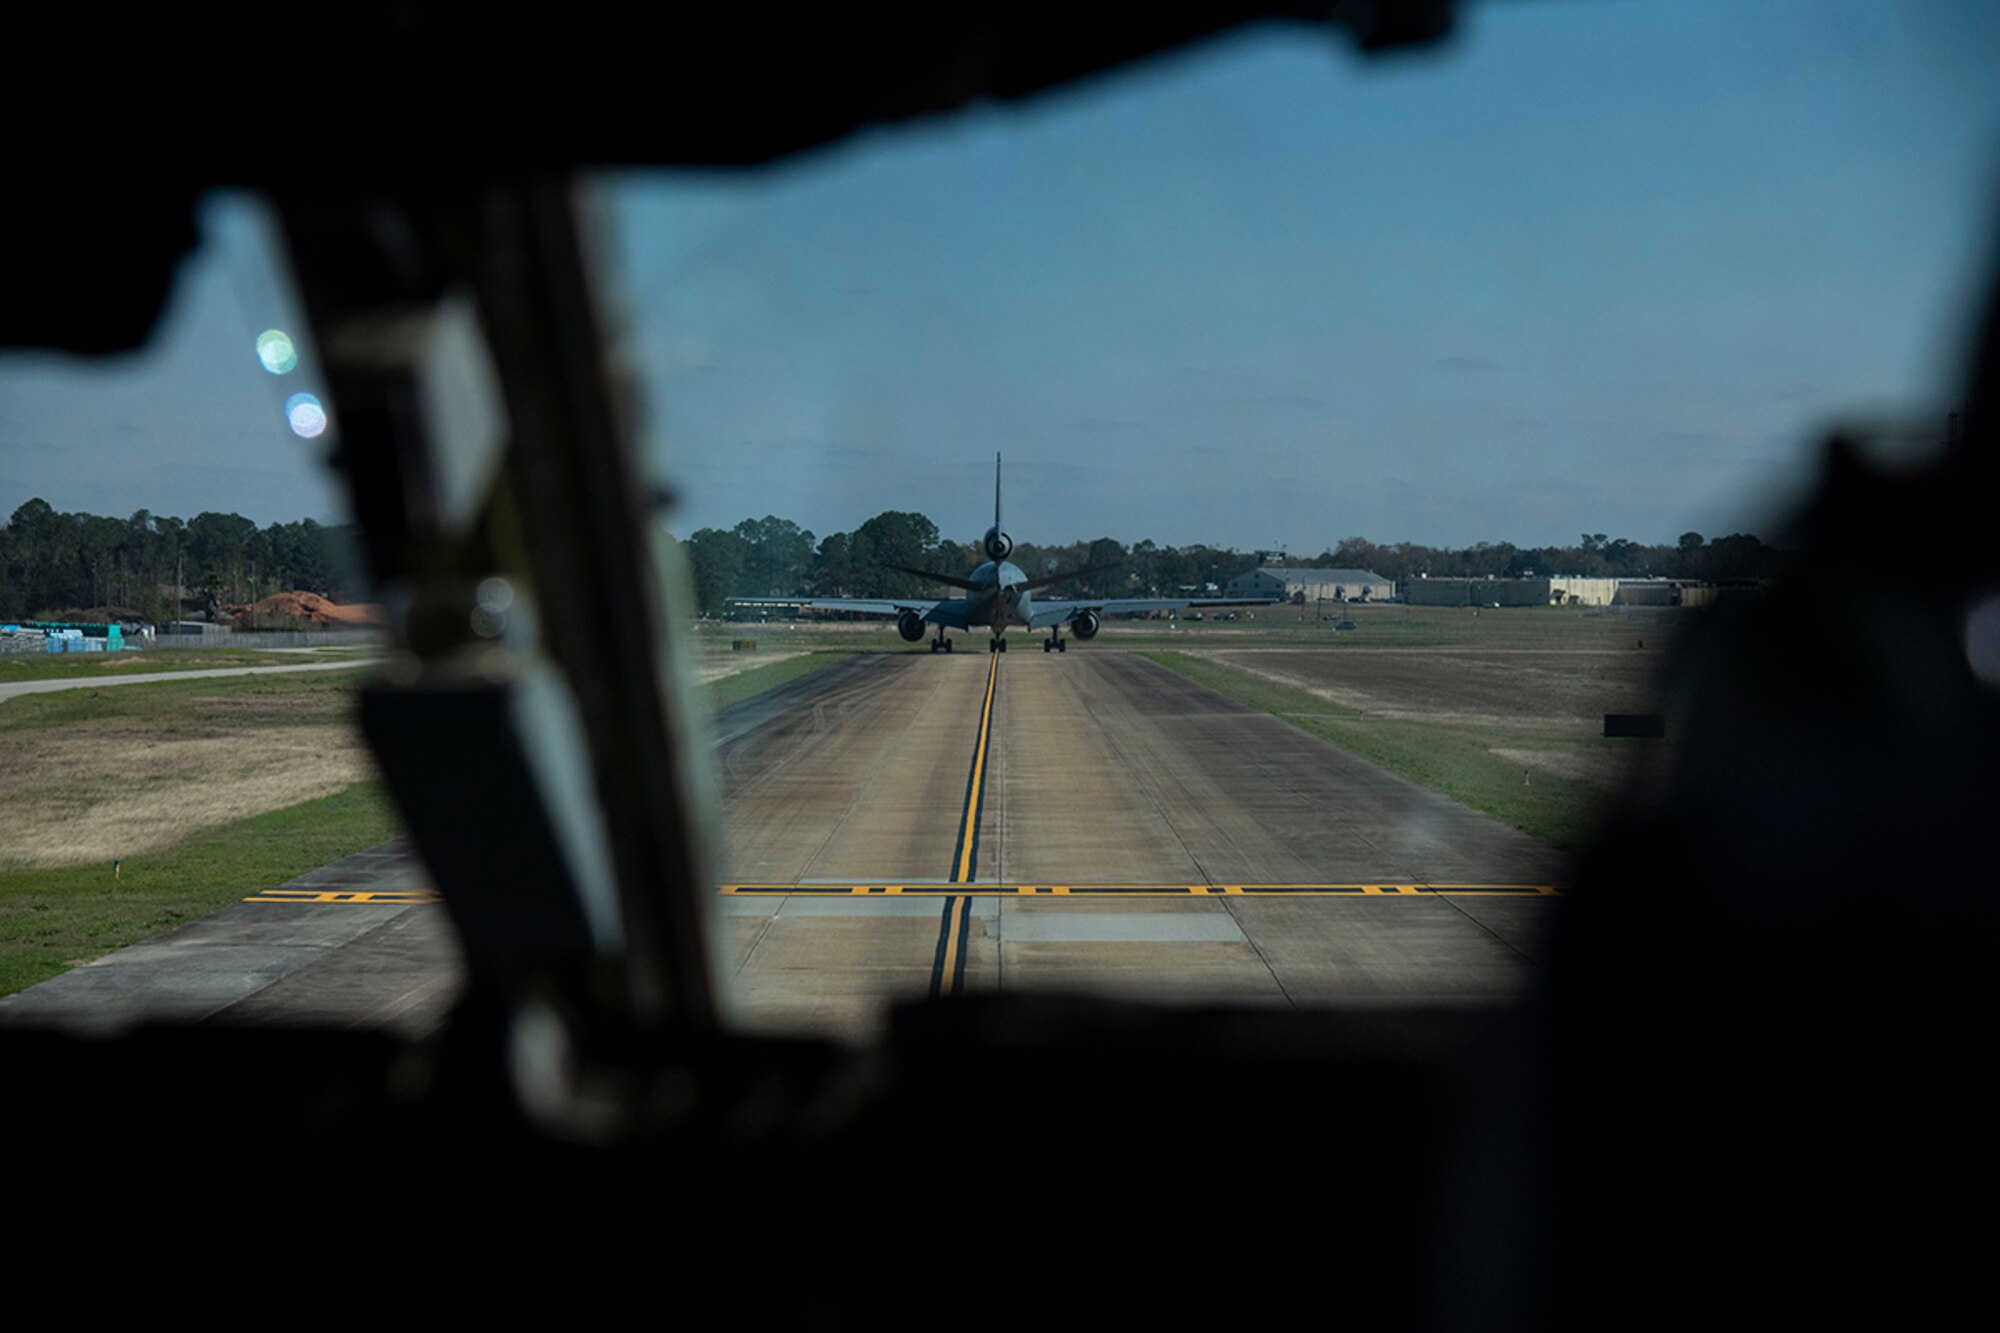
726, 690
1454, 758
1395, 625
51, 920
76, 666
170, 702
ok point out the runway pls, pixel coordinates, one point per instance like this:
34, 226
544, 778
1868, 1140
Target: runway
1135, 834
909, 824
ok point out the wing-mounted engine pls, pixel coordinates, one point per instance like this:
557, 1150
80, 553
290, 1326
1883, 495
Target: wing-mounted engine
910, 625
998, 544
1085, 625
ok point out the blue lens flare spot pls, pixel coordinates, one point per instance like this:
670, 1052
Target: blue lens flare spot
275, 350
306, 416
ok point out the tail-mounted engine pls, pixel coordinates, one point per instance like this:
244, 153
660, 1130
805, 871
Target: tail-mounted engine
998, 544
1085, 625
910, 625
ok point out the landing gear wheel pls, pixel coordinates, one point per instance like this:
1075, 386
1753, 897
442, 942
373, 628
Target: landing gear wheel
1048, 647
1003, 645
947, 645
1062, 645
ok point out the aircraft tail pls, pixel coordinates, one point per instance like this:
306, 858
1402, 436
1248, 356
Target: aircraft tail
996, 492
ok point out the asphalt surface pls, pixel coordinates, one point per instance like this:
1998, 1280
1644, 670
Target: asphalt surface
904, 824
1102, 769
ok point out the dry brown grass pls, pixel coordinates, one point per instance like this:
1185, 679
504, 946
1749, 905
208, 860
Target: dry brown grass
98, 788
711, 665
1565, 690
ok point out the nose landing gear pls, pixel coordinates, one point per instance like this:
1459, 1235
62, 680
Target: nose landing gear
998, 645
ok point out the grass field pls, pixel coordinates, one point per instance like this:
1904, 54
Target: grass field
1503, 711
722, 691
202, 790
75, 666
52, 919
87, 775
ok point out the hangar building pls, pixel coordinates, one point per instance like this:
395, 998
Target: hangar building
1476, 592
1311, 585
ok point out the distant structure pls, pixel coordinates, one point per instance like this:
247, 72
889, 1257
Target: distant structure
1558, 591
1476, 592
1632, 592
1311, 585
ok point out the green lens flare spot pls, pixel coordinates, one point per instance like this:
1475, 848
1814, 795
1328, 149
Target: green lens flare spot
275, 350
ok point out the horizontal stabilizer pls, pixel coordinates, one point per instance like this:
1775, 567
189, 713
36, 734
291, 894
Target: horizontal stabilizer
945, 579
1046, 579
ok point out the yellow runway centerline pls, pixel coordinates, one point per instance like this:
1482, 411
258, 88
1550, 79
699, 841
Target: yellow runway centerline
968, 837
954, 928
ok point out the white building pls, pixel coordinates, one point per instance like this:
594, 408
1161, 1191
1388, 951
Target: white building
1311, 585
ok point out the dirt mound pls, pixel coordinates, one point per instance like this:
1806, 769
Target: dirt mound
313, 607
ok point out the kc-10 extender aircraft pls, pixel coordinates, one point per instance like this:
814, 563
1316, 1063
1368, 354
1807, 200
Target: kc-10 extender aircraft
998, 594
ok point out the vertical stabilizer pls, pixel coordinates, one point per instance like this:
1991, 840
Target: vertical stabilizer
997, 543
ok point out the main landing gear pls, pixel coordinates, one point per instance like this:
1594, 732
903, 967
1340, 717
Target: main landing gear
940, 643
997, 645
1055, 643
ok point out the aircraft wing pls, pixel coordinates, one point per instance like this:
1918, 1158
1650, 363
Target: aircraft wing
1044, 614
949, 611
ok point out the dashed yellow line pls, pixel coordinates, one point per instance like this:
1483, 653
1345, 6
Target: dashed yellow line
379, 896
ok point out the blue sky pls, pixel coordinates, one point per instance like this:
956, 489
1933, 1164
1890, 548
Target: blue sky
1594, 267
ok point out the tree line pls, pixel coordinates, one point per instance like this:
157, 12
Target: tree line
53, 564
775, 557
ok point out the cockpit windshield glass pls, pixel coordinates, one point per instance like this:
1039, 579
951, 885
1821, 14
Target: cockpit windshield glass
1414, 407
1216, 532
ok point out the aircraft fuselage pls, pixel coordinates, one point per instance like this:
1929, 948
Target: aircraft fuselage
997, 600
